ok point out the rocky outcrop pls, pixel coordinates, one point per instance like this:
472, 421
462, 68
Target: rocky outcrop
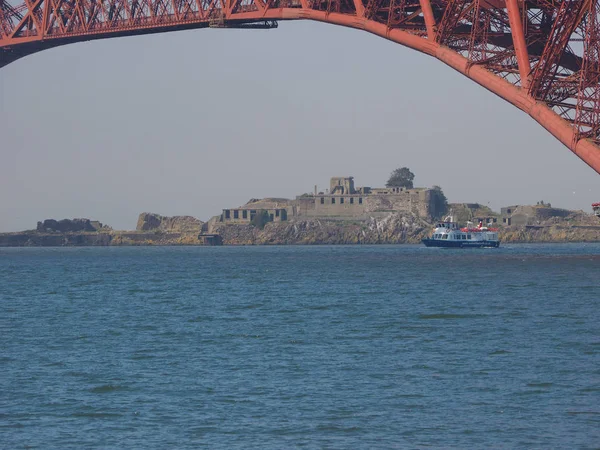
68, 226
35, 239
575, 227
85, 239
175, 224
392, 229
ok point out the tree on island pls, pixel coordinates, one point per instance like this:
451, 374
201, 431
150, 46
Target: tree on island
402, 177
439, 202
260, 219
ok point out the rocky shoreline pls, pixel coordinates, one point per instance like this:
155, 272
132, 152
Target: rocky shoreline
392, 229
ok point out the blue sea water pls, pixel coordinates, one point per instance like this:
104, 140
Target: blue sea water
290, 347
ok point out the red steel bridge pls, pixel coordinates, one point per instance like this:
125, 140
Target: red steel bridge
543, 56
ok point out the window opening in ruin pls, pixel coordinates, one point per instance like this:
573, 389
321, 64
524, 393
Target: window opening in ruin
342, 200
271, 217
276, 213
236, 214
351, 200
322, 200
332, 200
245, 214
227, 214
360, 200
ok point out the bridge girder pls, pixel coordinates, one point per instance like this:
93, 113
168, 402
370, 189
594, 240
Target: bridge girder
543, 56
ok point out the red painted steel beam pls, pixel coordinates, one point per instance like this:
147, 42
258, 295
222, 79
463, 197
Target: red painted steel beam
516, 28
429, 18
412, 23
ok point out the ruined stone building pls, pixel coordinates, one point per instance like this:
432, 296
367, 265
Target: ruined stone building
276, 208
341, 201
521, 215
344, 200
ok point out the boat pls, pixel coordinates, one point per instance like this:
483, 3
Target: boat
596, 208
449, 234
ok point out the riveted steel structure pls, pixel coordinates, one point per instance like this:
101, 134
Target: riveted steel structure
543, 56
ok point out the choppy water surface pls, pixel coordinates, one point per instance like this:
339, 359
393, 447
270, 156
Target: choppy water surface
278, 347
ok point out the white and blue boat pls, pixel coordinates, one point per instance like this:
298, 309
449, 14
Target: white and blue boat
449, 234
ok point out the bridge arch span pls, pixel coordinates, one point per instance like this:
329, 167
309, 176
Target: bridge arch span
542, 56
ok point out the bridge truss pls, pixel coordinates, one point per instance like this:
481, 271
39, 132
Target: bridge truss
543, 56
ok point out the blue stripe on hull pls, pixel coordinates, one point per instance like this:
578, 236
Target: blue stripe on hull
459, 244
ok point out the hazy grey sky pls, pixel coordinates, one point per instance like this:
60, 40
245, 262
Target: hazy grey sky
192, 122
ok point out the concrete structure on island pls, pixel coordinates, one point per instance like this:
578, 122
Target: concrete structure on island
278, 210
521, 215
341, 201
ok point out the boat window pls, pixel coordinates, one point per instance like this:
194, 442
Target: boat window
464, 236
445, 236
468, 236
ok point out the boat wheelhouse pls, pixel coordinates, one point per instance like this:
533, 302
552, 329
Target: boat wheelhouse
449, 234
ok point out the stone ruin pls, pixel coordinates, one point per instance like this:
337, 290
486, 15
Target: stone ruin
69, 226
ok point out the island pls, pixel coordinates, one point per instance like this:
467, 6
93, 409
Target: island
342, 214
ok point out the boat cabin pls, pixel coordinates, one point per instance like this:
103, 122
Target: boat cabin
447, 225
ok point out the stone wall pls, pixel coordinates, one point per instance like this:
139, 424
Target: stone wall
68, 225
529, 215
414, 201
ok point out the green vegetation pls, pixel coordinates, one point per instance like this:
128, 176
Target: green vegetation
439, 201
260, 219
402, 177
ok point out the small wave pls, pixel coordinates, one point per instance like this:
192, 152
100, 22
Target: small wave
539, 385
449, 316
98, 415
590, 389
200, 319
12, 425
107, 388
319, 307
532, 392
338, 428
499, 352
141, 357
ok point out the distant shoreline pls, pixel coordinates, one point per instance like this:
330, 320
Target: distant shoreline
276, 234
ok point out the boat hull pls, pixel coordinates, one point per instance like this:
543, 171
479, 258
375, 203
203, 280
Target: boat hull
460, 244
